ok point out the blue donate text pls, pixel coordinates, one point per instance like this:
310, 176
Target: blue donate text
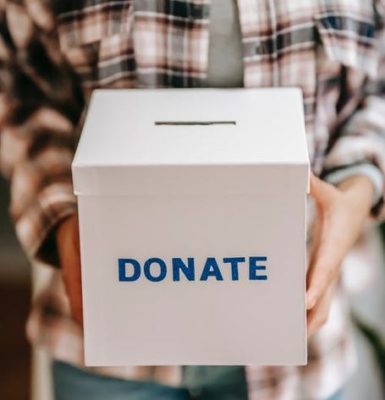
156, 269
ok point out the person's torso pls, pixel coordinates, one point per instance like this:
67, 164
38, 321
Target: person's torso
325, 47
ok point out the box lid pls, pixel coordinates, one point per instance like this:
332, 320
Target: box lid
141, 141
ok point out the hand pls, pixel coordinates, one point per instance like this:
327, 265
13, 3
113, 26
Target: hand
341, 214
67, 238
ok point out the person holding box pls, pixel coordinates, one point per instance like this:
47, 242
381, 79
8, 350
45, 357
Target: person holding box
53, 54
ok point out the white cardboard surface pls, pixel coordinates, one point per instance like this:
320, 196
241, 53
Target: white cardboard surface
204, 191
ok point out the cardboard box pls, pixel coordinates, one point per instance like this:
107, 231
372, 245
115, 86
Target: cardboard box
192, 208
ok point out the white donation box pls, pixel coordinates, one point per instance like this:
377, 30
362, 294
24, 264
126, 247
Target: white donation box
192, 213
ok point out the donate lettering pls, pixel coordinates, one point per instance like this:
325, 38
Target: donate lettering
156, 269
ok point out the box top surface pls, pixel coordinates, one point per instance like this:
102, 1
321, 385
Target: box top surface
141, 141
234, 126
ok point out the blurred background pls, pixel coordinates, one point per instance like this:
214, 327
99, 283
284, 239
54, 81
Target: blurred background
15, 294
24, 372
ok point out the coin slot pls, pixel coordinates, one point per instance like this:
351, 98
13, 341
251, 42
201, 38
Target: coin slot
192, 123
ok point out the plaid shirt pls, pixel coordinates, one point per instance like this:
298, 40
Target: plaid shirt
54, 53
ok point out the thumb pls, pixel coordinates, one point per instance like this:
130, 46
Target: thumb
321, 191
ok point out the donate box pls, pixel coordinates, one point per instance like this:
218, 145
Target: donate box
192, 208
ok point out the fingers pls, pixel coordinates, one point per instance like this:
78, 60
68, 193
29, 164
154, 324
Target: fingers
75, 233
329, 249
72, 281
68, 246
328, 245
76, 303
322, 192
324, 272
325, 267
339, 222
315, 239
318, 316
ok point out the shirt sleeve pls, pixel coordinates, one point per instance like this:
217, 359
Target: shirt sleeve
369, 170
361, 140
41, 103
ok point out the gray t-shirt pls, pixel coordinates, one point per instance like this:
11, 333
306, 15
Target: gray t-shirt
225, 69
225, 66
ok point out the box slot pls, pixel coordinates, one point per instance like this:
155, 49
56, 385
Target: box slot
188, 123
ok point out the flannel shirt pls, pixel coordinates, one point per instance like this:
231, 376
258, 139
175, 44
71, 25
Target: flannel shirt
54, 53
